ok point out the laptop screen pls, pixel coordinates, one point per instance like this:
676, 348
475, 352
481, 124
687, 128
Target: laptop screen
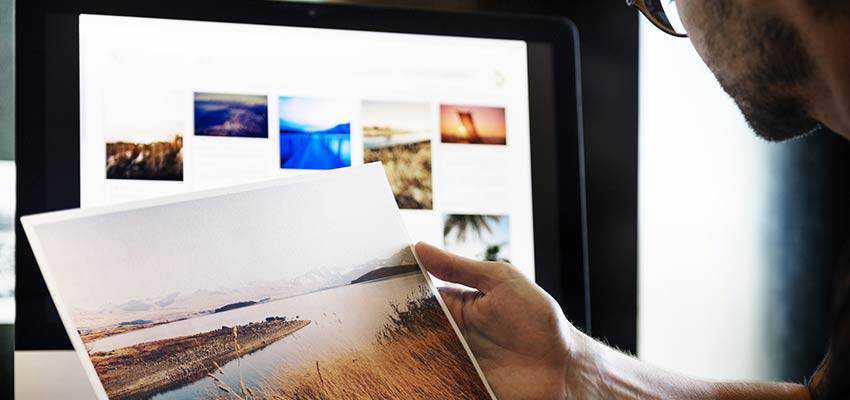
173, 106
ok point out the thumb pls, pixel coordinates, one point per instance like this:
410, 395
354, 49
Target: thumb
449, 267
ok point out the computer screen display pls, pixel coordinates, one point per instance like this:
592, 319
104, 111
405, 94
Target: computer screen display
476, 118
171, 106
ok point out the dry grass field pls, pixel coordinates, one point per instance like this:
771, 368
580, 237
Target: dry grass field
148, 161
415, 356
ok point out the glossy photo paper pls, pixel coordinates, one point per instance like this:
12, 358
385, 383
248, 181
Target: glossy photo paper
301, 288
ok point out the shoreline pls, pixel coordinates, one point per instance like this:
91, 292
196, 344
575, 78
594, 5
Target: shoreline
121, 329
114, 330
147, 368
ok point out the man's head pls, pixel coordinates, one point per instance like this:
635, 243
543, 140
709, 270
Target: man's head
786, 63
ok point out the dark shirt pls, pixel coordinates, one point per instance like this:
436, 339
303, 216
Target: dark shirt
832, 379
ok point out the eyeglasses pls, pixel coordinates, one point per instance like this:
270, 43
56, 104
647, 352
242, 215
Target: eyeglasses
662, 13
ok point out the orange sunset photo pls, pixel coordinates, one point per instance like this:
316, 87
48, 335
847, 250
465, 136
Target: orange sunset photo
472, 124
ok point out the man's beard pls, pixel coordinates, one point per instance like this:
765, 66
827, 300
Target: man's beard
770, 92
774, 117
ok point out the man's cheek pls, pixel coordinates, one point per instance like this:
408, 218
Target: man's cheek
685, 8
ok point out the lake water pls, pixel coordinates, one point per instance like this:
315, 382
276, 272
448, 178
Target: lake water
340, 318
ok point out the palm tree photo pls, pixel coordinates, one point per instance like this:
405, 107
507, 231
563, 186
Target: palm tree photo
479, 236
463, 225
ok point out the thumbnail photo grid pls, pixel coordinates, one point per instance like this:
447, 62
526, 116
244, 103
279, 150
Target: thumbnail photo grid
315, 133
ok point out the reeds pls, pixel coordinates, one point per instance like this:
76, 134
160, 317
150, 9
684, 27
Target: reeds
415, 356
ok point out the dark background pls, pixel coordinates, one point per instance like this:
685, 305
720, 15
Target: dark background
608, 33
6, 153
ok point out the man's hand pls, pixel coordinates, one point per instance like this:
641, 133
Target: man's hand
528, 349
517, 331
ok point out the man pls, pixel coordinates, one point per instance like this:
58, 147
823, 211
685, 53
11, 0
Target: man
786, 63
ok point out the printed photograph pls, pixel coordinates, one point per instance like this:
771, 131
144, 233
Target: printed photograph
399, 135
232, 115
274, 293
482, 237
472, 125
143, 131
314, 133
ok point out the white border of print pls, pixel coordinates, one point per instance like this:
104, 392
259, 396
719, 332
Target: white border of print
30, 222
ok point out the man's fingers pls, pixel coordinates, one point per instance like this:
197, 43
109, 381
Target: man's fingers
456, 269
454, 299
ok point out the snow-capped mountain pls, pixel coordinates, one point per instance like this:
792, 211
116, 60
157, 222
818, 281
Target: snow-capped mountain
179, 305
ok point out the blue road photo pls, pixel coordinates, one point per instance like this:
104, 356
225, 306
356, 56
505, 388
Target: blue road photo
314, 133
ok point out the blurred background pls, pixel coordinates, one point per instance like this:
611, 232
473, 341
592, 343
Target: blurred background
711, 251
7, 198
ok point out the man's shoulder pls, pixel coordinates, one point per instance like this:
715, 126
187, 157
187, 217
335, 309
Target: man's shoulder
831, 380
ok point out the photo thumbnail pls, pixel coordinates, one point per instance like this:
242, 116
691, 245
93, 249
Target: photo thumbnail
482, 237
232, 115
143, 131
399, 135
473, 124
315, 133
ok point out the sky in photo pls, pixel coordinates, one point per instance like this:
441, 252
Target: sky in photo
313, 114
413, 117
134, 113
224, 98
342, 221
